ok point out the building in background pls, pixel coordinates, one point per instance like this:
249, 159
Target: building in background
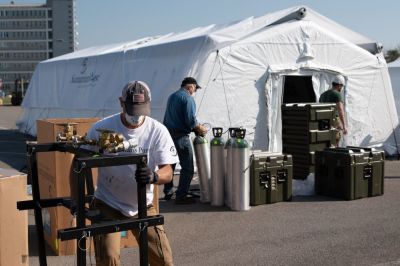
30, 33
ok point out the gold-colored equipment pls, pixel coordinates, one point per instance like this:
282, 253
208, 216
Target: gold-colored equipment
109, 141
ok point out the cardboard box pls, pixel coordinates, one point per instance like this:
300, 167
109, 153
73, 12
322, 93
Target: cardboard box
54, 170
13, 223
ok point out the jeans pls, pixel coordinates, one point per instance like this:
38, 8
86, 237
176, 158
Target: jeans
185, 154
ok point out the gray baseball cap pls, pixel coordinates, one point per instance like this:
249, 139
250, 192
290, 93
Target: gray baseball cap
137, 97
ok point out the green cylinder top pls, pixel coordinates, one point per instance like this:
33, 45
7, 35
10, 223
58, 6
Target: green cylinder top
217, 142
240, 143
229, 142
199, 140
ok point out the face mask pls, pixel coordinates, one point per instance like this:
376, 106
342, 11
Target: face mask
133, 119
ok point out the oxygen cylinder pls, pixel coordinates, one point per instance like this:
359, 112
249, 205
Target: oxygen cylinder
240, 173
202, 153
228, 166
217, 168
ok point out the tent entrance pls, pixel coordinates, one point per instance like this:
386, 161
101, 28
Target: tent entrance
298, 89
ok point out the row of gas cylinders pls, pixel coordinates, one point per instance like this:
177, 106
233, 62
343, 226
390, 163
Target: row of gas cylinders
223, 169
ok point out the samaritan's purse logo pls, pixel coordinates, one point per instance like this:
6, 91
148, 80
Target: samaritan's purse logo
85, 76
84, 65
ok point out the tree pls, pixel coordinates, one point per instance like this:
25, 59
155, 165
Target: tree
392, 54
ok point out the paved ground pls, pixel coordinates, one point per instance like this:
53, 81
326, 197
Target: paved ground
311, 230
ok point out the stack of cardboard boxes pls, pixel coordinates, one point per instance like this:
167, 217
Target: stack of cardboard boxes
13, 223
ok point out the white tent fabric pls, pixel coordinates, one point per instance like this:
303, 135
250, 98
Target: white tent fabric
395, 63
394, 71
241, 67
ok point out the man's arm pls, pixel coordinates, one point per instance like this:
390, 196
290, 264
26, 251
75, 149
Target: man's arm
190, 113
340, 108
164, 173
191, 120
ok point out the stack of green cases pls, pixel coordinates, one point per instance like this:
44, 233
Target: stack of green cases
270, 177
349, 173
306, 128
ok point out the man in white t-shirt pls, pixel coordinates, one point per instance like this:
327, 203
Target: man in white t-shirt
116, 193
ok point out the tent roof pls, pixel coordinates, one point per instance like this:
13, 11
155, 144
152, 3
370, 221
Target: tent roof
225, 34
242, 65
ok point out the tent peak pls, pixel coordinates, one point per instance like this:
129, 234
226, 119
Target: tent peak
298, 14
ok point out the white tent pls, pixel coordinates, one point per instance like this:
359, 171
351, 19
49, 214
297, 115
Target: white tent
242, 67
394, 71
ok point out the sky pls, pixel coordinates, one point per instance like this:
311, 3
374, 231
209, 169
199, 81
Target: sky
105, 22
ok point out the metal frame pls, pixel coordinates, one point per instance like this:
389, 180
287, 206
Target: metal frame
83, 162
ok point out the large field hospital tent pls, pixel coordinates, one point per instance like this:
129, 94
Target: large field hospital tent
247, 70
394, 71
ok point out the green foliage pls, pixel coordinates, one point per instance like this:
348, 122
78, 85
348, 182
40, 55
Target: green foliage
392, 54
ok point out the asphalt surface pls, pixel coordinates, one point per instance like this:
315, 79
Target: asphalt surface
309, 230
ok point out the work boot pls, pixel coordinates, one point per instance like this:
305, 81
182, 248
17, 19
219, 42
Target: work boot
185, 200
168, 195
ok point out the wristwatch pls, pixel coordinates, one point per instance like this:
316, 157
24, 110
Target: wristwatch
155, 178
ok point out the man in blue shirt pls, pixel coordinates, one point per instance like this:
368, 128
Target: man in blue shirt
180, 119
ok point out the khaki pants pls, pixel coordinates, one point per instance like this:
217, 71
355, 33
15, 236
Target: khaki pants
107, 247
338, 127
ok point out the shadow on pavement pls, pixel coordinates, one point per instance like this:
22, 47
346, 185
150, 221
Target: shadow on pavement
33, 243
170, 206
391, 177
313, 198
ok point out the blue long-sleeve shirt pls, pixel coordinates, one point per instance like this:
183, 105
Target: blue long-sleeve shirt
180, 115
